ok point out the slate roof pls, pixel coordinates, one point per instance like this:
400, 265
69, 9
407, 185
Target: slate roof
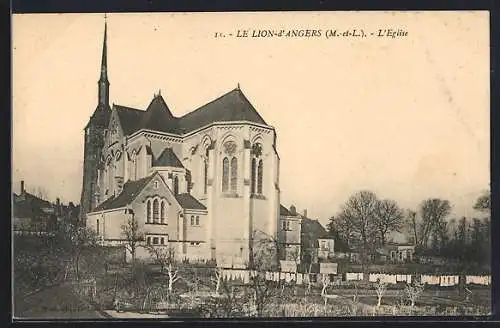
158, 117
130, 190
129, 118
230, 107
187, 201
27, 205
284, 211
311, 231
167, 158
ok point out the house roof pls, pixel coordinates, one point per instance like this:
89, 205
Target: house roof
187, 201
284, 211
167, 158
311, 231
28, 205
230, 107
130, 190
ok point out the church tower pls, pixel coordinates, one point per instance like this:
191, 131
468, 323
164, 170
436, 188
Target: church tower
94, 138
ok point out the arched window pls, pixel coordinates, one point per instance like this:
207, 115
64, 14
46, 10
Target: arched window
148, 212
252, 181
156, 211
259, 177
234, 174
225, 174
162, 212
176, 185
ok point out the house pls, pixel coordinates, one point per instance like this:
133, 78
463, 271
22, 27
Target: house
32, 215
396, 252
317, 246
289, 234
202, 183
326, 248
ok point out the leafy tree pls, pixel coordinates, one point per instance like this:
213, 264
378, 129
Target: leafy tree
483, 203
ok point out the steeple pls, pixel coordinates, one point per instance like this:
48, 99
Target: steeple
103, 80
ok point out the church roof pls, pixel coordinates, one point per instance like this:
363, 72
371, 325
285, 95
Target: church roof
130, 190
230, 107
158, 117
168, 158
187, 201
129, 117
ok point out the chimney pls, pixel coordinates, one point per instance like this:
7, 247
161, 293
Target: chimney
22, 186
293, 210
305, 213
58, 202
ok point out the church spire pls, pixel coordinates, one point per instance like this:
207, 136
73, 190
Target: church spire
103, 80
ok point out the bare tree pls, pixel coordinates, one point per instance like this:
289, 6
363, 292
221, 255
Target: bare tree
309, 283
325, 282
76, 240
226, 303
39, 192
264, 258
380, 288
388, 217
162, 255
133, 235
433, 212
413, 292
172, 276
217, 279
358, 213
412, 215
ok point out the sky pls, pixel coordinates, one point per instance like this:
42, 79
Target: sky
407, 117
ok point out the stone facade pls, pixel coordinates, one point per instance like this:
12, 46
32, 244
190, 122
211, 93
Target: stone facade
209, 179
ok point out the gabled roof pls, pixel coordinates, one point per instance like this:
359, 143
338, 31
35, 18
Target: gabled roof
284, 211
167, 158
158, 117
28, 205
311, 231
230, 107
129, 118
130, 190
187, 201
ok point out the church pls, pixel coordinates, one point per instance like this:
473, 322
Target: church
202, 183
